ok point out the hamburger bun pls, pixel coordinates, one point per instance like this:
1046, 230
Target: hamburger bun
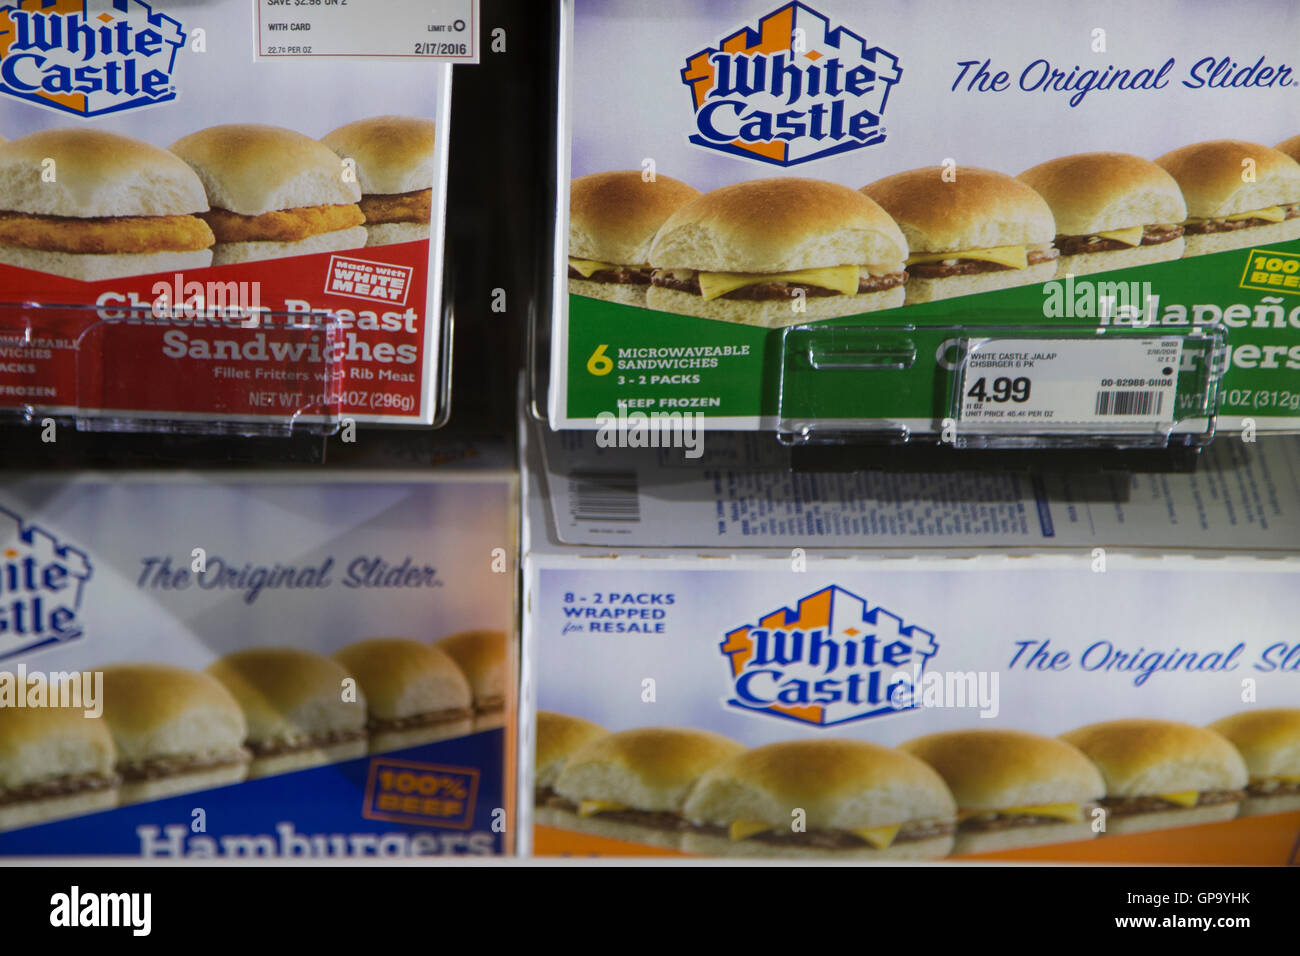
558, 737
1291, 147
1141, 759
1210, 175
54, 762
415, 693
230, 253
176, 731
293, 703
1268, 740
613, 217
481, 657
646, 773
840, 785
772, 314
995, 773
394, 156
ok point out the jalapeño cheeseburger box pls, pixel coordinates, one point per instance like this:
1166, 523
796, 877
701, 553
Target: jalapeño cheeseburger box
817, 216
247, 665
192, 230
912, 667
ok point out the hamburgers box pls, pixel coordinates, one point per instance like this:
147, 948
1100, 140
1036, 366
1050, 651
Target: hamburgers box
831, 219
257, 666
202, 223
912, 667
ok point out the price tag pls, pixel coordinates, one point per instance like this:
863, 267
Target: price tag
1075, 385
433, 29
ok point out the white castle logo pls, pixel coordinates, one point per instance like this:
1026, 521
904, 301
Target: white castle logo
41, 587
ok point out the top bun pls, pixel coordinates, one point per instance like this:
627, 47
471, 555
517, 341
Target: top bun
481, 656
1141, 758
1098, 192
842, 784
998, 769
1291, 147
778, 225
558, 736
402, 677
978, 209
288, 694
44, 743
251, 169
394, 154
651, 768
1210, 175
96, 174
1268, 740
155, 710
613, 217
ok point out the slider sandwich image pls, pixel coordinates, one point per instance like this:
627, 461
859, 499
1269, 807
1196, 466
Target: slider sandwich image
1112, 211
176, 731
481, 657
1161, 774
273, 193
54, 762
1291, 147
613, 218
1226, 209
415, 693
978, 232
394, 161
1013, 789
1269, 741
775, 252
631, 785
558, 737
860, 802
113, 207
293, 703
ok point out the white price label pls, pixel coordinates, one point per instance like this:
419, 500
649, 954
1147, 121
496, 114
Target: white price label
429, 29
1083, 385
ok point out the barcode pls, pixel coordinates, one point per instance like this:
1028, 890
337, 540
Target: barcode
604, 496
1144, 402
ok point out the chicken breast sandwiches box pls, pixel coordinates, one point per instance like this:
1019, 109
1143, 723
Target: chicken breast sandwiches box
733, 663
841, 221
257, 666
202, 223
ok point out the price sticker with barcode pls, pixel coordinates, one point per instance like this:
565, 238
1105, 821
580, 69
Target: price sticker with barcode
1070, 384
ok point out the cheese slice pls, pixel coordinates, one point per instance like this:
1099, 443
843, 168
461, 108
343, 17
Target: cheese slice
740, 829
1130, 237
588, 266
1013, 256
1269, 213
589, 808
841, 279
880, 837
1069, 812
1184, 798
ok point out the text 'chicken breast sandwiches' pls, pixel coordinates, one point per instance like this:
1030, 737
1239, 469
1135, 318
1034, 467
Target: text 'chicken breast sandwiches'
1112, 211
273, 193
1013, 789
394, 160
774, 252
631, 785
1268, 740
1238, 194
821, 799
92, 205
613, 218
295, 706
176, 731
54, 762
968, 230
481, 657
1161, 774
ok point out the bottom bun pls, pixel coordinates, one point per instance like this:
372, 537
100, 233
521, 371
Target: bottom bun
141, 791
1042, 834
1169, 819
1260, 806
624, 293
386, 740
28, 813
1086, 263
1201, 245
302, 759
718, 845
90, 267
609, 829
931, 290
388, 233
774, 314
229, 253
